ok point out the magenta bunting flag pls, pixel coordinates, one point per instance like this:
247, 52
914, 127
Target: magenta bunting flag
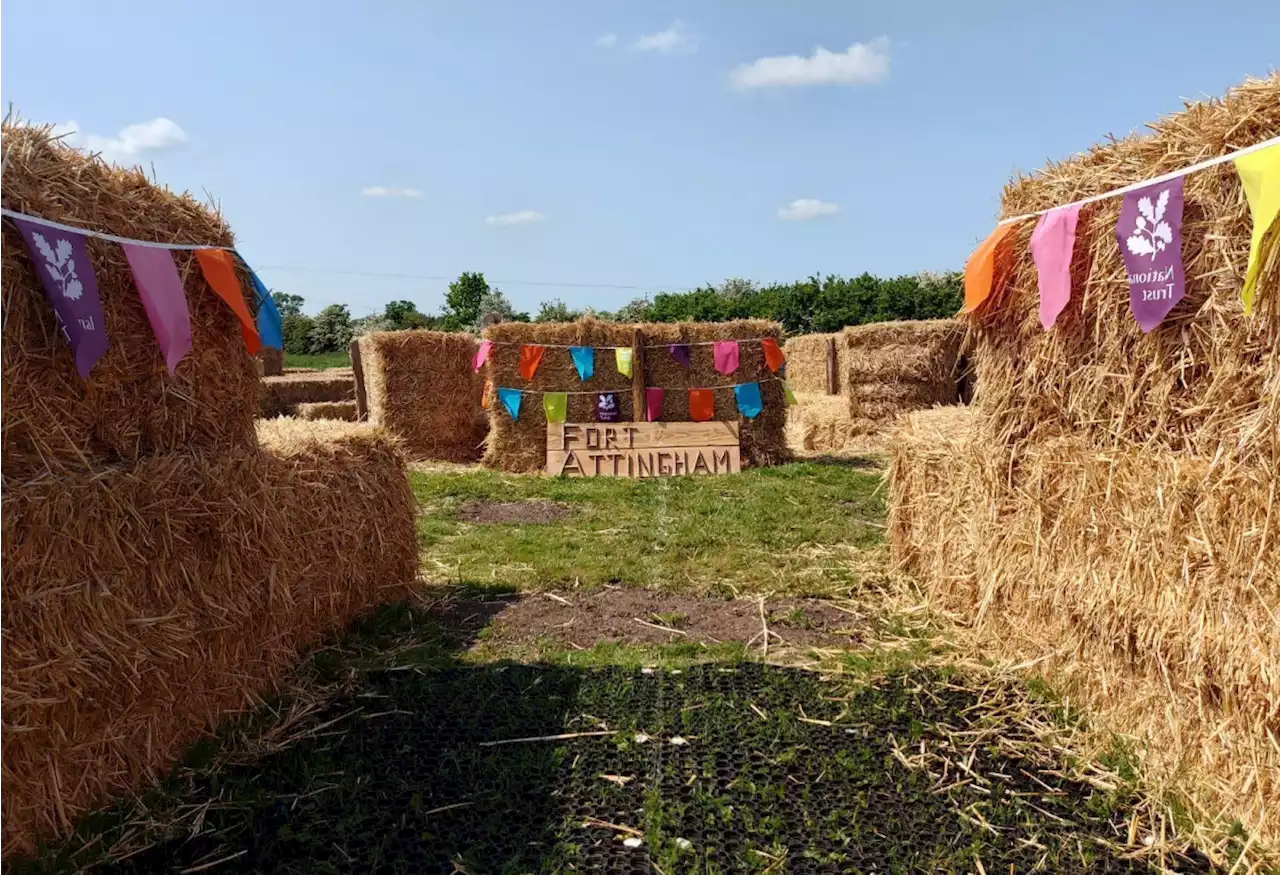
653, 403
726, 355
160, 288
61, 261
1150, 237
1052, 243
482, 355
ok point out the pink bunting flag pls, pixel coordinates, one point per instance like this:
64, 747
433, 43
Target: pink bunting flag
160, 288
653, 403
726, 356
1052, 243
482, 355
61, 261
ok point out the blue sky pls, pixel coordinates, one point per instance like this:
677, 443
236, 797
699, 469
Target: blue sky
597, 144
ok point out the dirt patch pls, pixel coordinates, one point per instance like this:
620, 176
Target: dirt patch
635, 616
484, 512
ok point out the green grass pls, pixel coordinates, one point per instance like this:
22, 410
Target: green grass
319, 361
798, 529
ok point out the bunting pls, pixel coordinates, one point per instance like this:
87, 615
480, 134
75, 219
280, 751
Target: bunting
1052, 243
220, 272
622, 357
607, 407
61, 260
680, 352
773, 356
555, 405
530, 357
485, 394
702, 405
482, 355
749, 402
788, 396
270, 324
1150, 236
726, 356
1260, 179
653, 403
584, 359
160, 287
979, 270
510, 399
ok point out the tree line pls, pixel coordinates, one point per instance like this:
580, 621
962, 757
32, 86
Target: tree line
817, 304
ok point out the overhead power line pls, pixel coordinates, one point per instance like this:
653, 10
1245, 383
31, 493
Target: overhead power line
502, 282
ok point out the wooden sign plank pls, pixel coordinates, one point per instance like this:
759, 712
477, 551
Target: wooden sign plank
642, 449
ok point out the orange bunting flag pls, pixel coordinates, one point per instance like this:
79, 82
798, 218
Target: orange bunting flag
702, 405
484, 396
773, 356
530, 358
980, 269
220, 272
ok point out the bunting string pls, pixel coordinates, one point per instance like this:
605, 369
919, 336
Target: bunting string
85, 232
625, 389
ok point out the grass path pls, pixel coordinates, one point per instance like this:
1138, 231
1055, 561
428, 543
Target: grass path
409, 745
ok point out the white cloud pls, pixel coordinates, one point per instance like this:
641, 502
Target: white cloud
676, 38
608, 41
390, 191
521, 217
133, 141
804, 208
861, 64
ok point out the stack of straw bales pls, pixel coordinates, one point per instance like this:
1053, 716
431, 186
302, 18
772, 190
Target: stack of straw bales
160, 567
282, 394
807, 363
521, 445
884, 370
344, 411
420, 386
271, 361
1108, 508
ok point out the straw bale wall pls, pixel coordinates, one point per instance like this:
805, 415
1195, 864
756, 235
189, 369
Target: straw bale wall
129, 406
271, 361
1207, 376
143, 601
281, 395
340, 410
893, 368
521, 445
420, 386
807, 363
1145, 582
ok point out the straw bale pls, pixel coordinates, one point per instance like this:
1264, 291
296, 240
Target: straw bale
807, 363
129, 406
1208, 376
341, 410
282, 394
522, 445
420, 387
897, 367
1146, 582
271, 361
820, 423
143, 601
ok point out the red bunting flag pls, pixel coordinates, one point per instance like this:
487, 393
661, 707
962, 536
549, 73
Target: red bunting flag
702, 405
220, 272
773, 356
530, 358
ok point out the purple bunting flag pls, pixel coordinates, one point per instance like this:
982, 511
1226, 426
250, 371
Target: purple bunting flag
607, 409
680, 352
1150, 237
61, 260
160, 288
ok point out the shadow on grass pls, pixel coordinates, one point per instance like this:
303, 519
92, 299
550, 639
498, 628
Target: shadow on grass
857, 463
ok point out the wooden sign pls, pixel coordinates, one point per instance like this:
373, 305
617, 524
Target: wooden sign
642, 449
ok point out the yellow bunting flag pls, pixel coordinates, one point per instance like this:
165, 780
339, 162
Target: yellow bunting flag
979, 271
622, 355
788, 395
220, 272
1260, 178
555, 404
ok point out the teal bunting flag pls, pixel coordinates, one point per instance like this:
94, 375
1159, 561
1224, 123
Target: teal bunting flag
749, 403
510, 399
584, 359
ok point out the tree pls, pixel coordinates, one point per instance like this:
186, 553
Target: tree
402, 315
287, 304
332, 330
463, 302
494, 301
296, 330
556, 310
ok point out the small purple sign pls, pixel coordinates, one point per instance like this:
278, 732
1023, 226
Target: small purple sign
607, 409
1150, 237
61, 260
